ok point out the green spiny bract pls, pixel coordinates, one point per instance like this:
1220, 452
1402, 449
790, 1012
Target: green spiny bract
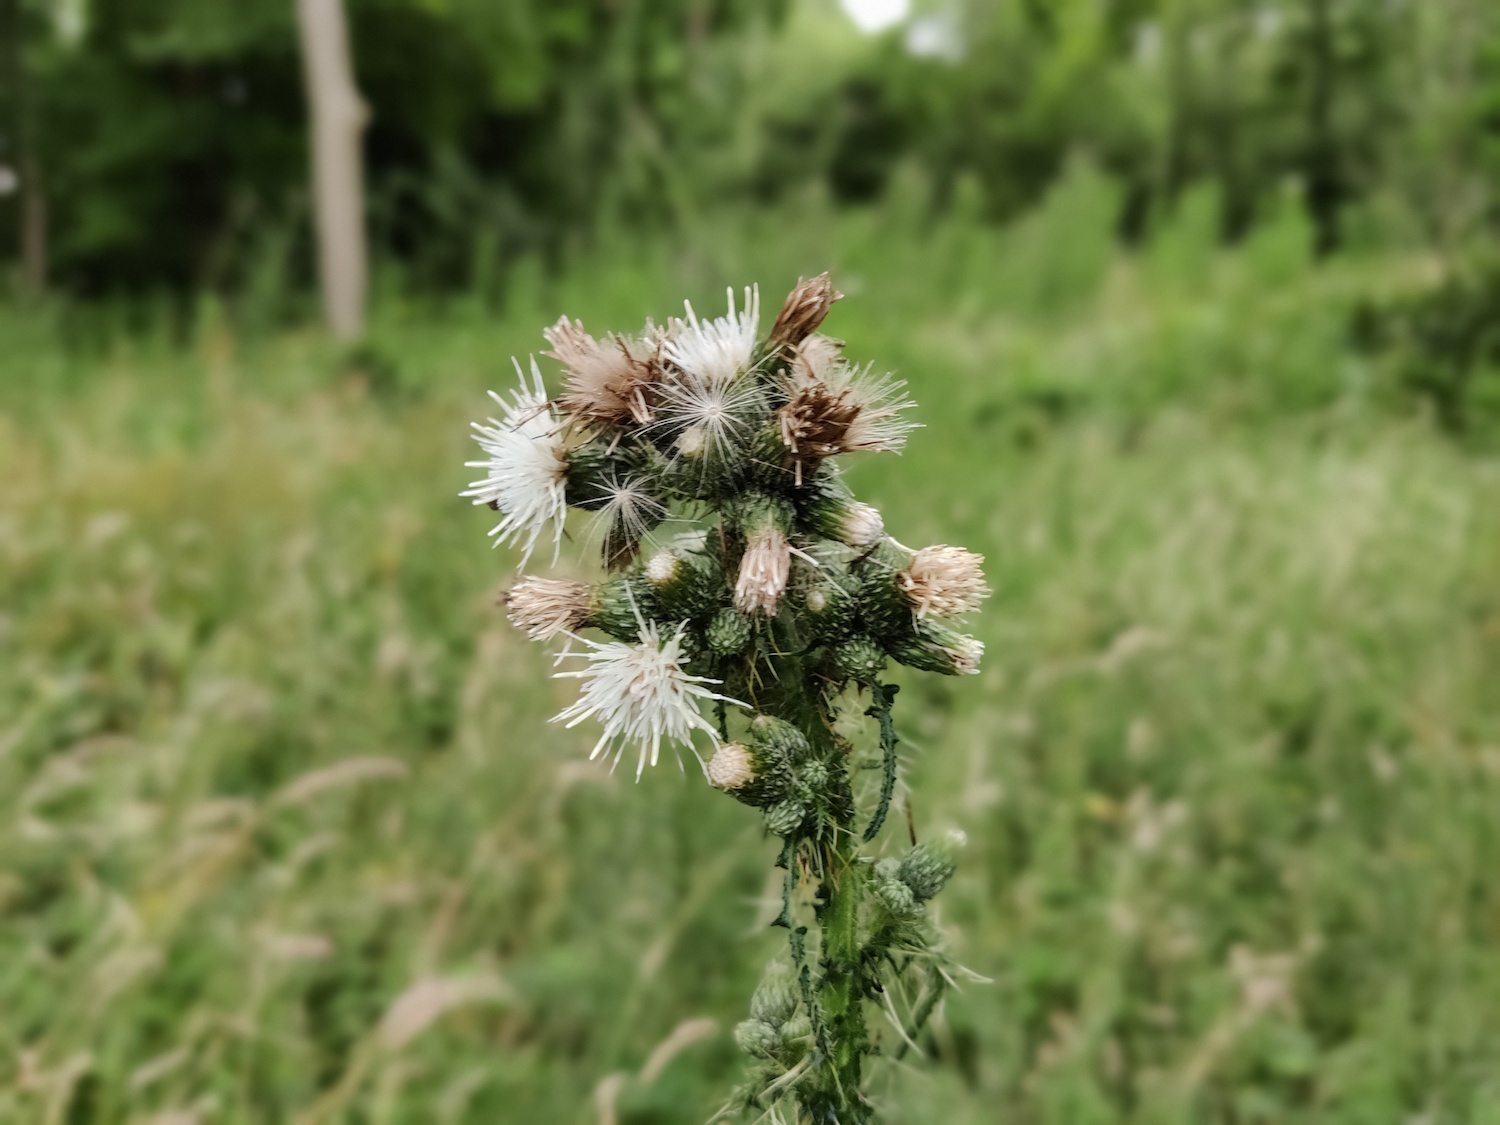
784, 601
929, 865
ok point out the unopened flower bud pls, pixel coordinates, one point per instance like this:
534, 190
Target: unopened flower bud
935, 647
729, 632
834, 514
544, 607
814, 777
859, 658
775, 1000
620, 605
927, 868
944, 582
685, 585
882, 604
780, 736
755, 775
891, 891
804, 309
786, 817
796, 1034
758, 1038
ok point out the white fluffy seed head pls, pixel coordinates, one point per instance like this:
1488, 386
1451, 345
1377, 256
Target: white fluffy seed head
944, 582
718, 350
764, 571
966, 655
641, 693
545, 607
526, 466
862, 526
731, 767
663, 567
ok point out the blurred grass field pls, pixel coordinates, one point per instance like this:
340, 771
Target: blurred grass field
287, 837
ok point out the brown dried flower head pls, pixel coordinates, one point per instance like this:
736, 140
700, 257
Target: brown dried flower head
803, 311
765, 569
834, 407
609, 382
545, 607
944, 582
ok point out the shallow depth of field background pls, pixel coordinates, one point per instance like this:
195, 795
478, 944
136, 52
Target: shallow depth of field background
1199, 305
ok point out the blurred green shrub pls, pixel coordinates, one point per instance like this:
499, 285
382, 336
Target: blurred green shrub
1442, 346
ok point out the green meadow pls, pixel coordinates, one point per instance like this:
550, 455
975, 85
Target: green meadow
286, 834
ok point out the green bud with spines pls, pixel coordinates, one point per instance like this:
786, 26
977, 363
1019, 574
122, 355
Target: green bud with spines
775, 1000
830, 595
786, 817
780, 736
927, 868
796, 1035
932, 646
620, 605
752, 511
860, 658
687, 585
891, 892
829, 509
729, 632
754, 774
755, 1037
884, 609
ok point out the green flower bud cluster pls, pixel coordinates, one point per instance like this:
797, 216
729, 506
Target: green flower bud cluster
777, 1031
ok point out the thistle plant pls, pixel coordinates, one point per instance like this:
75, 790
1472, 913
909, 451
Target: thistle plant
750, 605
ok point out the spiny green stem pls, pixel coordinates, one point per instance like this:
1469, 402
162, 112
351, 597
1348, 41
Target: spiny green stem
882, 696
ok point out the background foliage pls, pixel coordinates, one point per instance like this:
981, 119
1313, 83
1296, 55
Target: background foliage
284, 832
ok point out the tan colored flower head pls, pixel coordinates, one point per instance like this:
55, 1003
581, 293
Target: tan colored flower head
833, 407
545, 607
731, 767
764, 572
609, 382
803, 311
944, 582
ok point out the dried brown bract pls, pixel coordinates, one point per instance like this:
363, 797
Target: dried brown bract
609, 382
803, 311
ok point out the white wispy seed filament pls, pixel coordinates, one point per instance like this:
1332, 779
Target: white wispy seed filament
527, 467
641, 693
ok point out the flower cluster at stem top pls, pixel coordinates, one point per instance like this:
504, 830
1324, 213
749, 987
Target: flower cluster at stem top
704, 424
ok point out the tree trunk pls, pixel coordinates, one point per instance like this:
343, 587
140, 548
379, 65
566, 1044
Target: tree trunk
338, 122
33, 201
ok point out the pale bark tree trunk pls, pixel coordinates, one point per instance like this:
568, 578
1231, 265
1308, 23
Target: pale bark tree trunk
338, 123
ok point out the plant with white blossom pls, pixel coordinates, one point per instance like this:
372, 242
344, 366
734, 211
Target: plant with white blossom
771, 607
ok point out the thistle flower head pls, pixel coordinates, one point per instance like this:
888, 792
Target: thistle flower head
608, 381
835, 407
862, 526
718, 350
709, 418
641, 693
944, 582
545, 607
764, 571
526, 466
803, 311
731, 767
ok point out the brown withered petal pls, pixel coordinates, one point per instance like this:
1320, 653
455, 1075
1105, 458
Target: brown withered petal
608, 381
803, 311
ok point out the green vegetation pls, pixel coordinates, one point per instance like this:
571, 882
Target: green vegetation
286, 835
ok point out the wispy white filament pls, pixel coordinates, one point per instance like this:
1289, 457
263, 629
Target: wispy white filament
526, 468
641, 693
717, 350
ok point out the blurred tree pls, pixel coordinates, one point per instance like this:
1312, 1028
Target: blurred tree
338, 124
